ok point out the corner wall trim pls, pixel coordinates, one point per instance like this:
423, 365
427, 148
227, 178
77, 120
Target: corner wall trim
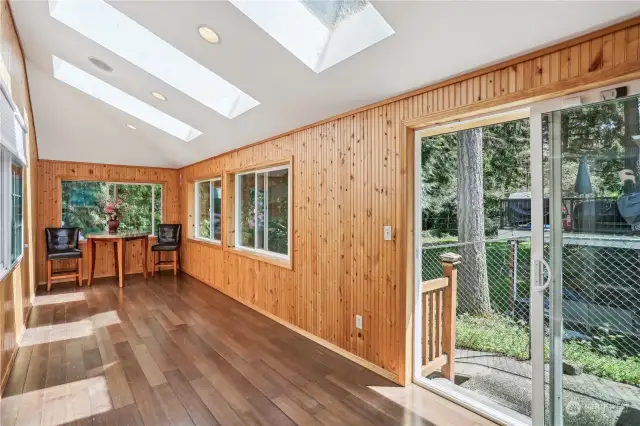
344, 353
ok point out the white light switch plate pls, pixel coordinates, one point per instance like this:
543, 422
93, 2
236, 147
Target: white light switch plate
388, 233
359, 322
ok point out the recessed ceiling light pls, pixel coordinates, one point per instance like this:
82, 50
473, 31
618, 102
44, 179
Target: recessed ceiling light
159, 95
208, 34
123, 101
96, 20
100, 64
131, 126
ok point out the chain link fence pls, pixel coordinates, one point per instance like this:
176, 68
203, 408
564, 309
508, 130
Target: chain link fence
601, 318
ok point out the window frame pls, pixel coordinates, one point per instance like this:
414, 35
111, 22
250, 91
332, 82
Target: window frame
13, 226
237, 207
7, 160
115, 194
196, 218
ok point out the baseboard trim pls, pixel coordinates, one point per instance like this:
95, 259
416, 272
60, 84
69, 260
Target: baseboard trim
5, 376
337, 349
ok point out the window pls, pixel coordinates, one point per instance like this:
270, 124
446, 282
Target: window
11, 209
262, 205
81, 205
16, 211
209, 209
12, 162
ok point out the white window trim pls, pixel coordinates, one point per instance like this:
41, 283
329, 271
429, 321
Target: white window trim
6, 211
115, 194
196, 222
238, 227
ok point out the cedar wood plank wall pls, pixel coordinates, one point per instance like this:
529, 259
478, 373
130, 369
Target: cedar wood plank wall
50, 174
18, 287
352, 176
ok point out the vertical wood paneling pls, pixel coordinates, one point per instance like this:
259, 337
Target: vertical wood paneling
48, 210
18, 286
350, 177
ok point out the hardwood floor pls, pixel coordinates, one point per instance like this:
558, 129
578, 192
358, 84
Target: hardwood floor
173, 351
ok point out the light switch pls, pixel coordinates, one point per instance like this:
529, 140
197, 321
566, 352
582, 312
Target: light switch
388, 233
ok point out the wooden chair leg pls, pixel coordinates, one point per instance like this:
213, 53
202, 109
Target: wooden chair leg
153, 264
49, 271
80, 272
175, 262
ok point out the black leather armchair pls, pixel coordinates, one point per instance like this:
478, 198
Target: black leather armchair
62, 244
168, 241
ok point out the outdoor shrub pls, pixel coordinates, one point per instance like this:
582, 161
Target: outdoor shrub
500, 334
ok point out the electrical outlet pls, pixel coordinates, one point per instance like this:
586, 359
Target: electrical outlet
359, 322
388, 233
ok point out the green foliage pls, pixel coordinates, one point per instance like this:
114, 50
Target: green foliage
277, 204
495, 333
506, 170
502, 335
81, 205
595, 133
498, 272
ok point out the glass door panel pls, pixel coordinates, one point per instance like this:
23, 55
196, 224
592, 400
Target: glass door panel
591, 310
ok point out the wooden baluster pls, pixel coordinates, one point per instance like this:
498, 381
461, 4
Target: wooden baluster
449, 263
438, 323
432, 325
425, 330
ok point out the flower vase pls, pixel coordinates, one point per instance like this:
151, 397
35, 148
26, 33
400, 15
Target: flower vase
113, 226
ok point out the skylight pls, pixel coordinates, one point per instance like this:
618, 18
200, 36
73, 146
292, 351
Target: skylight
115, 97
321, 33
105, 25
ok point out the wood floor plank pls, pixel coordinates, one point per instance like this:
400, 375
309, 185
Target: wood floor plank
172, 405
198, 411
145, 399
149, 367
175, 353
221, 410
181, 353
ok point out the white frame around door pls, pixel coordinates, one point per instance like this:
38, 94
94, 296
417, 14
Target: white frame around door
538, 282
446, 390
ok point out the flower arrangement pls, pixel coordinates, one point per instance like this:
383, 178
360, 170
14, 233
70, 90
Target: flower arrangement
113, 209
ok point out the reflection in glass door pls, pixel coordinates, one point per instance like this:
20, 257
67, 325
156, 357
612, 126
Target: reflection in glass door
590, 313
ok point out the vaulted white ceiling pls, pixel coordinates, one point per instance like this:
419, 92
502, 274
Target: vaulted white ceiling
432, 41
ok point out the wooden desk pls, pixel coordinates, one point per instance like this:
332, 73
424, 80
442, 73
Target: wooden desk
119, 242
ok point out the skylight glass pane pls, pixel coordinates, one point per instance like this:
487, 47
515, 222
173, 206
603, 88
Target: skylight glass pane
105, 25
332, 12
115, 97
321, 33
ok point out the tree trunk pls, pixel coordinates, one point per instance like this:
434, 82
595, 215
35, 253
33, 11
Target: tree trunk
631, 129
473, 286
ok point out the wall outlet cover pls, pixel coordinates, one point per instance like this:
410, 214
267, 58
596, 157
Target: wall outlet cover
359, 322
388, 233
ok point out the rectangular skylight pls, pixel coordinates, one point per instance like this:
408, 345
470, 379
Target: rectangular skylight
115, 97
321, 33
105, 25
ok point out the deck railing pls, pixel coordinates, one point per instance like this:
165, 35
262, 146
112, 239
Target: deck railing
439, 320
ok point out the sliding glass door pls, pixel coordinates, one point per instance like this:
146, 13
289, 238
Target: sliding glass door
585, 258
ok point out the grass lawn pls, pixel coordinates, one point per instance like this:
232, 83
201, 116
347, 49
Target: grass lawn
498, 270
500, 334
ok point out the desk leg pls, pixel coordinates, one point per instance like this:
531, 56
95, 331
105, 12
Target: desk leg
121, 256
145, 249
91, 248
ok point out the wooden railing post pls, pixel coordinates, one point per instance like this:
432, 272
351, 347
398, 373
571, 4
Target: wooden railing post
450, 263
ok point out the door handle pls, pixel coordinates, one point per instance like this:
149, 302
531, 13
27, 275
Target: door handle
542, 264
